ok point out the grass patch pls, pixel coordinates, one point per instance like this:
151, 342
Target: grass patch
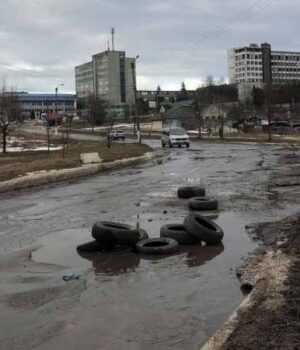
16, 164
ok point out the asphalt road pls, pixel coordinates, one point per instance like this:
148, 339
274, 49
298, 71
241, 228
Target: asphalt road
125, 300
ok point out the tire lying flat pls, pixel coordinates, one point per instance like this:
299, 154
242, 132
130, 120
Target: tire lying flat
157, 246
115, 233
190, 191
179, 233
206, 230
91, 247
203, 203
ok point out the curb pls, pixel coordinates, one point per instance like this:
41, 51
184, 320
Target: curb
276, 262
52, 176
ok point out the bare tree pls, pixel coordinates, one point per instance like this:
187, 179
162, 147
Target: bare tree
268, 94
110, 119
96, 110
10, 115
209, 81
66, 133
48, 138
199, 108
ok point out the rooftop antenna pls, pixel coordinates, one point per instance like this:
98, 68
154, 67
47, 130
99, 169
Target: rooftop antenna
112, 38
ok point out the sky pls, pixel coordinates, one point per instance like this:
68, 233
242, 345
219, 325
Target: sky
41, 41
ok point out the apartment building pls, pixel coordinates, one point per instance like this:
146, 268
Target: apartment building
256, 65
260, 65
110, 75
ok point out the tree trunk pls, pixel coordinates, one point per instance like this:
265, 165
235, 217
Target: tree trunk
199, 127
4, 135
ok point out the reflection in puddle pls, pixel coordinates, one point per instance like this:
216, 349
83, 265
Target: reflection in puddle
112, 263
118, 262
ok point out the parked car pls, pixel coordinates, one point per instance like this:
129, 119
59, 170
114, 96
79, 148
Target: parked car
117, 135
280, 127
174, 136
296, 127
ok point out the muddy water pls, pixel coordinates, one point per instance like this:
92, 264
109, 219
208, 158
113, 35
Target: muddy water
152, 302
134, 301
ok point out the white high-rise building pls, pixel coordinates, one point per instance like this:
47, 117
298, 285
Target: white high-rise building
258, 64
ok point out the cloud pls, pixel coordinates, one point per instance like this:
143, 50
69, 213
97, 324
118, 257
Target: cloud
184, 40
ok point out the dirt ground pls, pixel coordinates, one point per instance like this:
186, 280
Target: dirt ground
271, 319
14, 164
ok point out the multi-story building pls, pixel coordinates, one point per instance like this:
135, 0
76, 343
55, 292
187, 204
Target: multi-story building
109, 75
39, 103
258, 65
254, 64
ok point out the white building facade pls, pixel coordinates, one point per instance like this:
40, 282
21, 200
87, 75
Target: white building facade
255, 66
258, 64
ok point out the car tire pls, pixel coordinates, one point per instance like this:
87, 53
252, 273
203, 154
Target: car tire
143, 234
91, 247
190, 191
170, 144
179, 233
115, 233
204, 229
203, 203
187, 145
179, 145
157, 246
162, 144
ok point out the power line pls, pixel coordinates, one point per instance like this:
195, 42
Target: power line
242, 16
32, 74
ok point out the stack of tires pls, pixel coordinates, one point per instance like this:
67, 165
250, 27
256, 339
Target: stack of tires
197, 199
112, 235
194, 230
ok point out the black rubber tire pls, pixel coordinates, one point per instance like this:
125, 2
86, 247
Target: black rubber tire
115, 233
157, 246
203, 203
187, 145
170, 144
179, 233
91, 247
190, 191
162, 144
143, 234
206, 230
179, 145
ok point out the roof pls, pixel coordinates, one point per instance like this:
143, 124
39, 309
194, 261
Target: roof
181, 109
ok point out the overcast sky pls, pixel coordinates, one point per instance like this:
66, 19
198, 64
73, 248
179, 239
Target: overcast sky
177, 40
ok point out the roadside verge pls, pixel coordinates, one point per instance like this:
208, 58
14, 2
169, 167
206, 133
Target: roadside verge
51, 176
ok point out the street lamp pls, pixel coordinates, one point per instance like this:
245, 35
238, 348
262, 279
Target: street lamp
137, 120
56, 89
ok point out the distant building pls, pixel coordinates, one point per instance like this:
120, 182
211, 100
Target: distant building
255, 65
182, 114
39, 103
154, 97
109, 75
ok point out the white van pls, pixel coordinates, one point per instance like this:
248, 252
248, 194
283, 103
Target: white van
174, 136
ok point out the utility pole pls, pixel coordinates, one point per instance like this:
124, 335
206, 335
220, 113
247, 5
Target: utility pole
136, 112
56, 90
268, 110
